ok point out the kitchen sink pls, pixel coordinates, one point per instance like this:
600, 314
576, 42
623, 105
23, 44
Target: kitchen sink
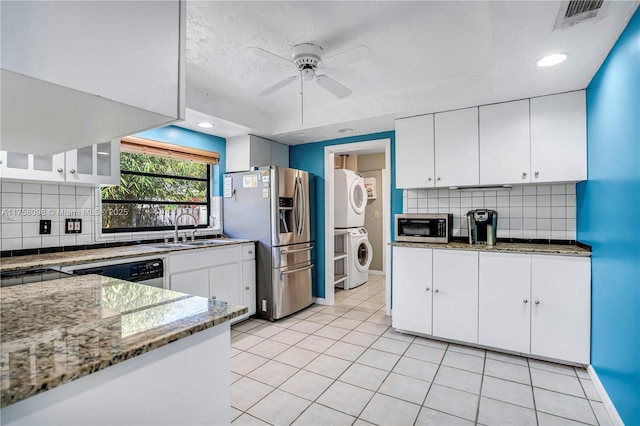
206, 242
172, 246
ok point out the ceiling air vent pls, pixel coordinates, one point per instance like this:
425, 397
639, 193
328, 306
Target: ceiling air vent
578, 11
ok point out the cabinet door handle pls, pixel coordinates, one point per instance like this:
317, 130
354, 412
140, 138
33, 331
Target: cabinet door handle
439, 179
525, 301
537, 302
524, 175
536, 175
213, 297
246, 288
437, 291
250, 251
427, 289
72, 171
60, 170
429, 180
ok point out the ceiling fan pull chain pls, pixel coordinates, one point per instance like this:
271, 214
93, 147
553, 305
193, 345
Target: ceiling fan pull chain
301, 98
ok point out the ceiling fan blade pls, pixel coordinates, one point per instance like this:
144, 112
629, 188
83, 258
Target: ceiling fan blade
358, 53
333, 86
279, 85
261, 53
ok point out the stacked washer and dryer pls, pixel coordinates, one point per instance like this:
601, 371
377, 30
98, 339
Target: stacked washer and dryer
350, 202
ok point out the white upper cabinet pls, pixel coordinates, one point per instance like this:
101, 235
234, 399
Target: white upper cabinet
558, 138
244, 152
89, 72
16, 165
527, 141
415, 152
504, 143
456, 140
94, 164
97, 164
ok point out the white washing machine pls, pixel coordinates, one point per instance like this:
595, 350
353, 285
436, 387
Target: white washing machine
359, 257
350, 199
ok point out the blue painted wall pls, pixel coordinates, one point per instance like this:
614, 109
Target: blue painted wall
310, 157
608, 204
185, 137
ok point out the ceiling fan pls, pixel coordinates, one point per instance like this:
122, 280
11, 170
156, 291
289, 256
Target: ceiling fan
307, 58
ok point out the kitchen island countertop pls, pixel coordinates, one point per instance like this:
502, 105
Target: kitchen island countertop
530, 248
57, 331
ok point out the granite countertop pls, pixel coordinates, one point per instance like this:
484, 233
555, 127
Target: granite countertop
558, 249
75, 257
57, 331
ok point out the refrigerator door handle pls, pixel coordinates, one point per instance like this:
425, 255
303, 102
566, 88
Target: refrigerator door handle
297, 270
297, 250
302, 207
294, 210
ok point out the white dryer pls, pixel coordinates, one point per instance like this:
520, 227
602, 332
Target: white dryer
359, 257
350, 199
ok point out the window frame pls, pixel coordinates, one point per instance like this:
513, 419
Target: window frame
207, 203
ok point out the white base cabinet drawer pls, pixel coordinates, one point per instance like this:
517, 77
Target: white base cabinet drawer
196, 259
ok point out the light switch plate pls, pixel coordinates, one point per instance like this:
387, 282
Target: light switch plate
45, 227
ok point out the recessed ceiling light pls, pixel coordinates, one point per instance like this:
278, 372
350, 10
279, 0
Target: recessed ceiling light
551, 60
205, 124
346, 130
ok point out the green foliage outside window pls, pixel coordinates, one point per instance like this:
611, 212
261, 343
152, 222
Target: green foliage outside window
153, 191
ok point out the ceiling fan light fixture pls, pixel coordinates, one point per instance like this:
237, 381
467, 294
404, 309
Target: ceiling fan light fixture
551, 60
204, 124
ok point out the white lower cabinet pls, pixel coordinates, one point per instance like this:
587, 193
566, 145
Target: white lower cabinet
249, 285
225, 283
561, 310
504, 301
455, 298
191, 282
224, 273
530, 304
412, 289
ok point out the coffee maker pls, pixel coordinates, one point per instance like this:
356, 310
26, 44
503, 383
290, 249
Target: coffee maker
482, 224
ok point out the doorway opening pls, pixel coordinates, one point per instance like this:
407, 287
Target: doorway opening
377, 168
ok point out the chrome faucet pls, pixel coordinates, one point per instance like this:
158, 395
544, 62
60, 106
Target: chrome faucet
176, 238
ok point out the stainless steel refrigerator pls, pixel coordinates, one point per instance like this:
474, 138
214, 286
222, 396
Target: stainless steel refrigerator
271, 205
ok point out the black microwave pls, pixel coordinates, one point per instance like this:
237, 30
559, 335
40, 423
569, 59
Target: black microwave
424, 228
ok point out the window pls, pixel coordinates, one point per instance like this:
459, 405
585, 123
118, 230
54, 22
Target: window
159, 183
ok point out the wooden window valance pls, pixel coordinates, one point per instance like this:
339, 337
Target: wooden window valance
162, 149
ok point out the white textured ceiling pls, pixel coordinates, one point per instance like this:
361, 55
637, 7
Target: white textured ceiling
427, 57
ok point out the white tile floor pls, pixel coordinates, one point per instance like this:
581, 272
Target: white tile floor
344, 365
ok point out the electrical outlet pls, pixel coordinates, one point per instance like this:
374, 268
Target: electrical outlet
45, 227
72, 226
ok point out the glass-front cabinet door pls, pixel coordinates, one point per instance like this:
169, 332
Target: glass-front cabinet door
99, 163
15, 165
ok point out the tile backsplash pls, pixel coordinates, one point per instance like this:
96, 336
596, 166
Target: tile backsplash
531, 211
23, 205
